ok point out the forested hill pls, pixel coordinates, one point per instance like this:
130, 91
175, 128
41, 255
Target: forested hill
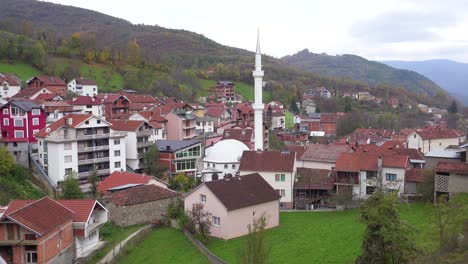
157, 60
358, 68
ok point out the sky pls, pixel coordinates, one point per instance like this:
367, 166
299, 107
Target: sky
374, 29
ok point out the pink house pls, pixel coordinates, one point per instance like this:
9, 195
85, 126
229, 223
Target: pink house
181, 125
233, 203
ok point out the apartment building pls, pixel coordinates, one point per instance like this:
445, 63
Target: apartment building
181, 125
79, 143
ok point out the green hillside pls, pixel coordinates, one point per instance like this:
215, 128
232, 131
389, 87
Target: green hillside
22, 70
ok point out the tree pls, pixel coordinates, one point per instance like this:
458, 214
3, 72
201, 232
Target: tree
453, 108
255, 250
387, 239
93, 179
151, 162
134, 53
71, 187
7, 163
449, 217
274, 142
201, 220
38, 56
182, 182
293, 106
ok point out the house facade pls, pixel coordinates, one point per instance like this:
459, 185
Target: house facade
9, 87
181, 125
88, 105
85, 87
434, 138
180, 156
450, 178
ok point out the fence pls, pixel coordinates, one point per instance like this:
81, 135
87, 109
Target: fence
211, 257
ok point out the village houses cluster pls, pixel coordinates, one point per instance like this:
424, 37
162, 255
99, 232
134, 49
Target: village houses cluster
60, 129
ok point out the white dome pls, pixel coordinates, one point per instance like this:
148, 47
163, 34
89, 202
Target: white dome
226, 151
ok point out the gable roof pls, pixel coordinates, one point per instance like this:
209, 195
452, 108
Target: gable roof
239, 192
81, 208
83, 81
140, 194
452, 167
11, 81
126, 125
48, 80
118, 178
215, 111
314, 179
267, 161
323, 153
38, 217
437, 132
30, 91
355, 162
25, 104
86, 100
76, 118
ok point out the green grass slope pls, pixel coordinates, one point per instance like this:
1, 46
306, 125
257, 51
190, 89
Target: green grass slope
22, 70
18, 185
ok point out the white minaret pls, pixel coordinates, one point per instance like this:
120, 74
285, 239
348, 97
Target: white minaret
258, 104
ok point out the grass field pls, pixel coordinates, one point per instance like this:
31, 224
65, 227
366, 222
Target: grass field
163, 246
22, 70
112, 234
324, 237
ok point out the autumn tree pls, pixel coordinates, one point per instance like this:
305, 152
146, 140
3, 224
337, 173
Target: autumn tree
134, 53
7, 163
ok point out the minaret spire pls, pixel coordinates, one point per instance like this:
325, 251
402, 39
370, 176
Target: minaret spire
258, 103
258, 42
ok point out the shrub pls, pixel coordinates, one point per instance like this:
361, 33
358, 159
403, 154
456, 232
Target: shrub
175, 208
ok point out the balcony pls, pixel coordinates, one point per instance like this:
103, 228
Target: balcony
189, 125
144, 144
190, 136
87, 173
145, 133
99, 136
92, 149
92, 161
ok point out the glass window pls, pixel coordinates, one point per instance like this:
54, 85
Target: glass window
391, 177
68, 171
117, 153
36, 112
371, 174
18, 122
370, 189
35, 121
216, 221
17, 111
67, 146
116, 142
203, 198
19, 134
117, 164
225, 166
68, 159
6, 122
5, 111
233, 166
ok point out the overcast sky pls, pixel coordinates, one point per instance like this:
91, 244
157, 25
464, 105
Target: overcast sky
375, 29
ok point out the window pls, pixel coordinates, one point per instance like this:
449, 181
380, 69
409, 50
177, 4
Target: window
17, 111
31, 256
233, 166
117, 164
391, 177
98, 121
6, 122
191, 152
281, 192
5, 111
15, 144
185, 165
68, 171
87, 122
370, 189
68, 159
19, 134
280, 177
207, 164
67, 146
414, 135
117, 153
116, 142
18, 122
216, 221
36, 112
371, 174
88, 106
35, 121
225, 166
203, 198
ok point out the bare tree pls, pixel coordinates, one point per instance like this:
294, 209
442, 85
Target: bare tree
255, 250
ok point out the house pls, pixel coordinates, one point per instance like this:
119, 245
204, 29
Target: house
34, 235
414, 177
116, 106
80, 143
312, 187
180, 156
220, 115
450, 178
204, 125
54, 110
52, 84
81, 86
155, 119
424, 108
120, 180
181, 125
222, 158
88, 105
362, 173
9, 86
294, 138
320, 92
319, 156
277, 168
309, 105
364, 96
139, 204
434, 138
20, 120
225, 91
274, 117
234, 202
245, 136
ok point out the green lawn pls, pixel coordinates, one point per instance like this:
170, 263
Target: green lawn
324, 237
165, 245
113, 235
22, 70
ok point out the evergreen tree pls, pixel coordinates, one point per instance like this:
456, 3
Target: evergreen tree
293, 106
71, 188
453, 108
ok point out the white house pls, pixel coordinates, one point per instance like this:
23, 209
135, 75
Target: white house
319, 156
84, 87
88, 105
9, 87
434, 138
79, 143
276, 168
204, 125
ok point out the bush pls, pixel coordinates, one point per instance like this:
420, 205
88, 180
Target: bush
185, 222
175, 209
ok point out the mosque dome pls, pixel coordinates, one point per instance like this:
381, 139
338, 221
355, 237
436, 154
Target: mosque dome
226, 151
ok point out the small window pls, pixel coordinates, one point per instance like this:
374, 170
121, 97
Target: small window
207, 164
116, 142
117, 164
370, 190
414, 135
5, 111
88, 106
87, 122
203, 198
68, 171
68, 159
6, 122
117, 153
15, 144
67, 146
225, 166
233, 166
36, 112
98, 121
216, 221
35, 121
281, 192
19, 134
18, 122
391, 177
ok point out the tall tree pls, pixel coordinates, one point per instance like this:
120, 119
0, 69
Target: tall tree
453, 108
134, 53
151, 162
255, 250
449, 216
387, 239
71, 188
274, 142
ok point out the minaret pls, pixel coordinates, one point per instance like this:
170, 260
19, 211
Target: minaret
258, 104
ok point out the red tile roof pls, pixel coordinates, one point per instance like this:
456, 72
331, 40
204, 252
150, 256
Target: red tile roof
86, 100
434, 133
139, 195
85, 81
244, 191
314, 179
81, 208
267, 161
215, 111
141, 98
9, 80
298, 149
30, 91
324, 153
42, 215
46, 96
152, 115
328, 118
452, 167
76, 118
118, 178
126, 125
355, 162
244, 135
49, 80
414, 175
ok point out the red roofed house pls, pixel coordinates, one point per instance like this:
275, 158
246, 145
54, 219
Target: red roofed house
156, 120
44, 231
234, 202
450, 178
357, 172
119, 180
88, 105
220, 115
320, 156
9, 86
277, 168
245, 136
434, 138
20, 120
83, 86
116, 106
52, 84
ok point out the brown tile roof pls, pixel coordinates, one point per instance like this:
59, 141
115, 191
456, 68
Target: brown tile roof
452, 167
139, 195
83, 81
46, 97
328, 118
314, 179
126, 125
438, 132
42, 215
9, 80
324, 153
86, 100
141, 98
267, 161
81, 208
215, 111
244, 135
77, 119
49, 80
298, 149
152, 115
118, 178
355, 162
240, 192
414, 175
30, 91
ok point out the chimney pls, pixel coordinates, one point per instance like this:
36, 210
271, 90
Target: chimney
70, 121
379, 163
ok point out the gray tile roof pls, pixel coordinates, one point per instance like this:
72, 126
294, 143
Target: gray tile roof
175, 145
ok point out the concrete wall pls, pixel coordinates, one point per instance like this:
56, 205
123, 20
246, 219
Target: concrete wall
316, 164
416, 142
138, 213
458, 183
